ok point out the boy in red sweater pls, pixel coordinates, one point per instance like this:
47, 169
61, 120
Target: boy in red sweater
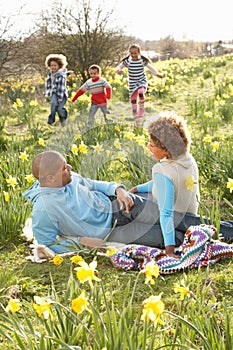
100, 90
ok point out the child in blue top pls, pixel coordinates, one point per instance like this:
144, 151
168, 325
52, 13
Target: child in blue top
55, 87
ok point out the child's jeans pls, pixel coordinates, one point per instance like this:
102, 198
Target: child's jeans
57, 108
92, 112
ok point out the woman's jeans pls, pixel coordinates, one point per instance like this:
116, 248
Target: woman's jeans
141, 224
57, 108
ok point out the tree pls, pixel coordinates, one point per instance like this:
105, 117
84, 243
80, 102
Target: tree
84, 34
11, 47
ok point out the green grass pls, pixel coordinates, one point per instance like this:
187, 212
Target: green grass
190, 94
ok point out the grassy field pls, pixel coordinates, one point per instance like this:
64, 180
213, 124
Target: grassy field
202, 92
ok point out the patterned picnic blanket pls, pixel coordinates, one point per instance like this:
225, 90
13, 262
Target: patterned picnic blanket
198, 249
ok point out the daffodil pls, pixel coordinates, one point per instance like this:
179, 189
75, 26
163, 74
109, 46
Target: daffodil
207, 138
182, 289
215, 146
80, 303
29, 178
76, 259
116, 144
18, 103
83, 148
140, 139
13, 305
189, 182
153, 307
23, 156
86, 272
97, 148
57, 260
12, 181
129, 135
151, 270
230, 184
117, 128
111, 251
74, 149
77, 137
41, 142
122, 156
6, 196
33, 103
208, 114
42, 307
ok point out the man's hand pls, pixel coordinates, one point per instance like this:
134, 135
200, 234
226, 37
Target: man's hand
125, 200
91, 242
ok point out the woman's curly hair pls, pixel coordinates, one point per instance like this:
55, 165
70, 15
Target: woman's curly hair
59, 58
170, 132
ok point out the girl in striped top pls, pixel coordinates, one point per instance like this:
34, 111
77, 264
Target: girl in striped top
135, 62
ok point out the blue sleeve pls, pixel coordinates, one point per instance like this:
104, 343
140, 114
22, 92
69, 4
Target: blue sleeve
108, 188
165, 198
146, 187
45, 232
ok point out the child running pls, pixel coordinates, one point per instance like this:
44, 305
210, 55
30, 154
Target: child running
100, 90
135, 62
55, 87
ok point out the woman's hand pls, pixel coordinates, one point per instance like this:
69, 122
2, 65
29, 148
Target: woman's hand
133, 190
170, 251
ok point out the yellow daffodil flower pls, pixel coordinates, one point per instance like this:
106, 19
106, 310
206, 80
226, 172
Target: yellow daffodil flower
29, 178
77, 137
117, 128
153, 307
207, 138
80, 303
86, 272
41, 142
33, 103
117, 144
74, 149
208, 114
23, 156
215, 146
230, 184
18, 103
129, 135
189, 182
83, 148
151, 270
13, 305
111, 251
97, 148
12, 181
42, 307
6, 196
76, 259
182, 289
57, 260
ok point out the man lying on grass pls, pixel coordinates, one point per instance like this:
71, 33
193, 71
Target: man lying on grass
84, 211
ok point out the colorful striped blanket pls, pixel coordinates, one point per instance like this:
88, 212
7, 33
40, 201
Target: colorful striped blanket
198, 249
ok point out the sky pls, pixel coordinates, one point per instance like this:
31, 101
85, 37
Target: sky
199, 20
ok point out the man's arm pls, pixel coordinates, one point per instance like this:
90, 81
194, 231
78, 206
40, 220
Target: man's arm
46, 231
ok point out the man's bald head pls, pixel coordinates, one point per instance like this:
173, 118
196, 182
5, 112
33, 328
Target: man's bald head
46, 163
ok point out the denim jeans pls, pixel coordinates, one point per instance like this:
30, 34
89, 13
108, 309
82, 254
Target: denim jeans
141, 225
93, 109
57, 108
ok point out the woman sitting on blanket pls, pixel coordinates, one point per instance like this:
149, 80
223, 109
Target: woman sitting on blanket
174, 183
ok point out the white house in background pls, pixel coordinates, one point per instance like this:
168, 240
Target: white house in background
152, 55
